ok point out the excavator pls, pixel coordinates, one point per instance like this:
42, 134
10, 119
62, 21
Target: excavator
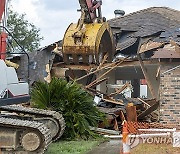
89, 40
23, 130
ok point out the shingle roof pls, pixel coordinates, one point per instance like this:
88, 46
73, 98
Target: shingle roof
149, 22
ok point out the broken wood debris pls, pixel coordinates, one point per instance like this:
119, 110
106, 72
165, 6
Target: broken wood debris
113, 64
120, 90
113, 67
105, 131
150, 46
97, 83
149, 110
131, 112
113, 101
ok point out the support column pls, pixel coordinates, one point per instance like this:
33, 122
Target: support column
136, 88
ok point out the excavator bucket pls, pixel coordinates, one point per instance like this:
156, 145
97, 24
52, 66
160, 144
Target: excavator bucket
89, 44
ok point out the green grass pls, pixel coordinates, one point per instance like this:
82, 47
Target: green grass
73, 147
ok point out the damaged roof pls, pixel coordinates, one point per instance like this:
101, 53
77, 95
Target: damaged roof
158, 24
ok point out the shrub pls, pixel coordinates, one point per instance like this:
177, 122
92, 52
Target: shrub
72, 101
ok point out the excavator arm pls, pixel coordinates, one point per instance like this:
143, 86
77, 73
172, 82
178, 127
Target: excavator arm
89, 7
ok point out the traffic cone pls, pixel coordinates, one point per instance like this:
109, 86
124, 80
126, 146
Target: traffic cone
126, 147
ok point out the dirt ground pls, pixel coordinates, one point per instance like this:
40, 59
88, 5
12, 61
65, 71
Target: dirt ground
114, 147
155, 149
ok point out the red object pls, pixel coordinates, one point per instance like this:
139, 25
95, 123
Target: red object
3, 35
2, 7
92, 6
143, 82
3, 45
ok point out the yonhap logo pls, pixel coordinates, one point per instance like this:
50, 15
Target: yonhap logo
133, 140
176, 139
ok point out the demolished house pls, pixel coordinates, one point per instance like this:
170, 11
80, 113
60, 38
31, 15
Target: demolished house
147, 54
152, 36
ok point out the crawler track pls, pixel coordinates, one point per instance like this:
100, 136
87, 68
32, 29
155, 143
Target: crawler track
13, 133
52, 119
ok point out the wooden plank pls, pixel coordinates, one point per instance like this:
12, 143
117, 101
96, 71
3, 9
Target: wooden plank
150, 46
105, 131
131, 112
144, 70
148, 111
120, 90
99, 82
113, 101
103, 61
11, 64
97, 70
144, 102
122, 116
146, 76
116, 125
113, 67
158, 72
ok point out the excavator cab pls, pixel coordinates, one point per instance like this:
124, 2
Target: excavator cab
90, 39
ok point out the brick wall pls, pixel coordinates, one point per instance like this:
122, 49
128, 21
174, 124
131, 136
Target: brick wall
170, 96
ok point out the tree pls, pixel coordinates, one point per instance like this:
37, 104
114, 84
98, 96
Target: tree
23, 31
72, 101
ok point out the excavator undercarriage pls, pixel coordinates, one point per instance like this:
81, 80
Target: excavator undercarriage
23, 136
28, 130
24, 130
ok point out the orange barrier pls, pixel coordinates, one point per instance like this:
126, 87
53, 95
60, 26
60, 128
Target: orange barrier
125, 133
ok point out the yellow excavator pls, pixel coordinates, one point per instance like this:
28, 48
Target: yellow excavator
23, 130
90, 39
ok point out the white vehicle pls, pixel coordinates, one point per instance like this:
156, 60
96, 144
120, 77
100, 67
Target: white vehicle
11, 90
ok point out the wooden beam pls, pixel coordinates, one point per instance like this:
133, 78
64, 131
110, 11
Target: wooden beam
150, 86
144, 102
103, 61
74, 67
131, 112
11, 64
104, 131
113, 101
158, 72
122, 116
97, 70
120, 90
144, 70
113, 67
149, 110
99, 82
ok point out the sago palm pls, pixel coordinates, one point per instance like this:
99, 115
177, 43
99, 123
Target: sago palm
72, 101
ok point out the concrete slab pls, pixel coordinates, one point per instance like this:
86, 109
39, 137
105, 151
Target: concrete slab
111, 147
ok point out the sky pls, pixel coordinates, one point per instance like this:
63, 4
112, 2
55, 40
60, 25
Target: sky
54, 16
